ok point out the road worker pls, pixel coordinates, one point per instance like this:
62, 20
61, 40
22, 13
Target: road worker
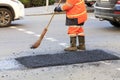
76, 15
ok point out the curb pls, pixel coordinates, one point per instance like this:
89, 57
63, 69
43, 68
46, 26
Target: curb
89, 10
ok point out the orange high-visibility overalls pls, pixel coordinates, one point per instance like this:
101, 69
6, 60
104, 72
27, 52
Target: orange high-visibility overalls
75, 9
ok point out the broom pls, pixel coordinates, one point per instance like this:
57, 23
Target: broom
38, 42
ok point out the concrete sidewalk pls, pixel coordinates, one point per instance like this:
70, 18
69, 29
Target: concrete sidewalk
35, 11
39, 10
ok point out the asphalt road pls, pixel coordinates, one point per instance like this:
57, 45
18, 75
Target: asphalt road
17, 39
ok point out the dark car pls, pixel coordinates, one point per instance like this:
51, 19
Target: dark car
108, 10
90, 3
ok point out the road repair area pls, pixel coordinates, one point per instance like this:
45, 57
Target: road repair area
101, 60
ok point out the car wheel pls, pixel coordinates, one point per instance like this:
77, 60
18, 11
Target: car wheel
5, 17
115, 24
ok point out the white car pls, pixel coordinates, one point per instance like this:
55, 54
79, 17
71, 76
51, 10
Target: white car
10, 10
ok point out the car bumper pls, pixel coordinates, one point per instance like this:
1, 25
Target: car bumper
19, 11
105, 13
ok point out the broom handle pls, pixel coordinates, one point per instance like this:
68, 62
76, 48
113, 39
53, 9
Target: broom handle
52, 16
38, 42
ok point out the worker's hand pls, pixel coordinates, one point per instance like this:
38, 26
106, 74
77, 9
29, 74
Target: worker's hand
57, 9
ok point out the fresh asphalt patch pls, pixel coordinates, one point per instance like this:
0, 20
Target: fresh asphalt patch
65, 58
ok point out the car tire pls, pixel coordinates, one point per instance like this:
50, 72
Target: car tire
5, 17
115, 24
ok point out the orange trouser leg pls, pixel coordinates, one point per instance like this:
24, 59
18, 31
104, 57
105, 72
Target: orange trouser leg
75, 31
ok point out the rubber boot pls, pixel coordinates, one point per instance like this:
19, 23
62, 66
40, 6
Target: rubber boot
81, 40
73, 46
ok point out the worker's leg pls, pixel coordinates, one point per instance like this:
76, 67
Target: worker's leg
72, 33
81, 39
